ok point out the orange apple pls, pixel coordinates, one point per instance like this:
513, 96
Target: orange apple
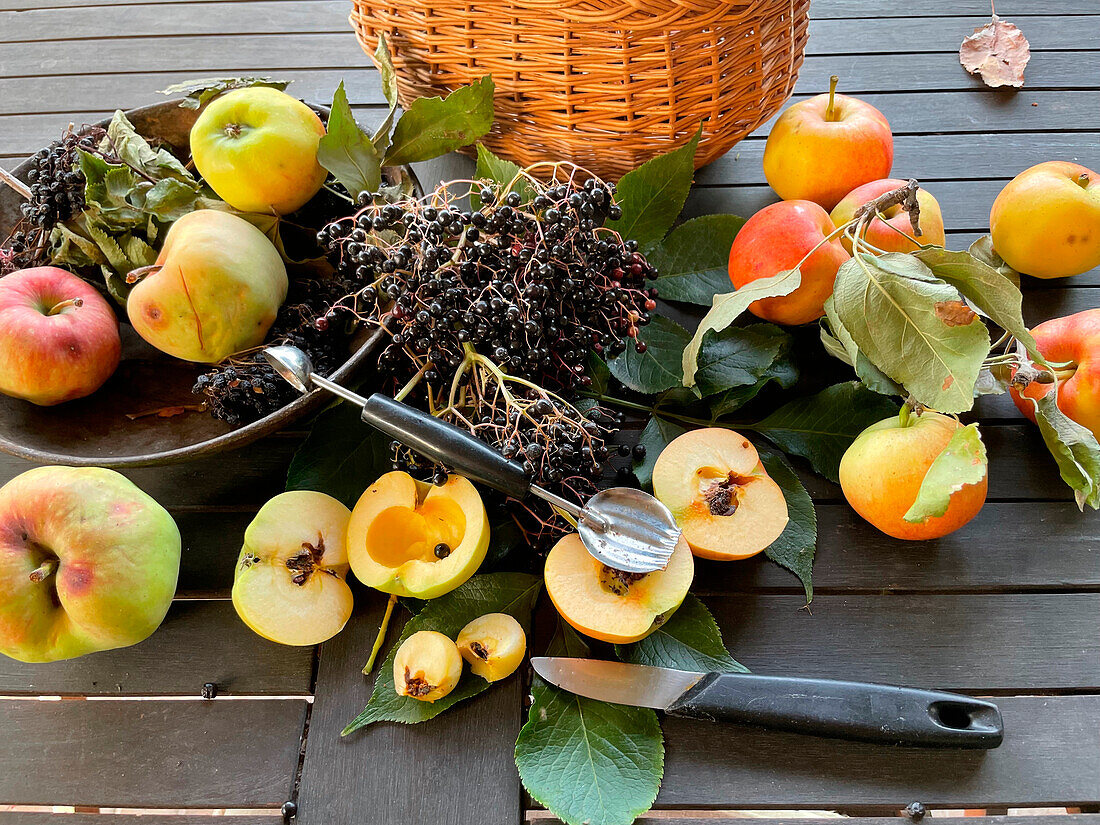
822, 148
1046, 221
882, 471
719, 493
881, 235
777, 238
1072, 341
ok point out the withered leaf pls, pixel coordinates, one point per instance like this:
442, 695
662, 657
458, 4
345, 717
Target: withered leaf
998, 51
954, 313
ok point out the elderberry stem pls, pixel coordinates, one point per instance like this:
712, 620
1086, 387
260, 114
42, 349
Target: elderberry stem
411, 385
381, 637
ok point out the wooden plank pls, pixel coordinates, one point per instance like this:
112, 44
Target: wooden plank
131, 753
149, 20
199, 642
1038, 545
456, 768
1009, 9
23, 96
694, 818
976, 643
1050, 757
270, 818
944, 34
930, 158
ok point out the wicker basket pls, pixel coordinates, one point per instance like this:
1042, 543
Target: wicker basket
607, 84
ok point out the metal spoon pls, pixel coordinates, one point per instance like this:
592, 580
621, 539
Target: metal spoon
622, 527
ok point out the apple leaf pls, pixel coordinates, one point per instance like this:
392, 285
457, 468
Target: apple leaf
983, 250
989, 289
737, 356
500, 171
388, 76
658, 368
434, 126
512, 593
795, 548
840, 341
998, 51
197, 93
913, 327
726, 307
689, 640
963, 462
652, 195
340, 456
588, 762
658, 433
821, 427
783, 371
133, 150
1075, 449
693, 261
347, 151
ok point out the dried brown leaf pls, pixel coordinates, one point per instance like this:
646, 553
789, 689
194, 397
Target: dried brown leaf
998, 51
954, 313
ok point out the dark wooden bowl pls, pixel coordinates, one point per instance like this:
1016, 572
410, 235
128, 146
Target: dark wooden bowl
98, 430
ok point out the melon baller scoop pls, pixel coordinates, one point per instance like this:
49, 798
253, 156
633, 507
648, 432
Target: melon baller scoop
624, 528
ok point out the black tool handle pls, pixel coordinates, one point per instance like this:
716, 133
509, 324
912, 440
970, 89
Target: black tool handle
443, 442
846, 710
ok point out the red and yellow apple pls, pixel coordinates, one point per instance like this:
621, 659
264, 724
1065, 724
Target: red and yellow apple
415, 539
611, 605
215, 289
719, 493
878, 233
1046, 221
882, 471
58, 336
289, 585
1071, 342
822, 148
257, 148
88, 562
777, 238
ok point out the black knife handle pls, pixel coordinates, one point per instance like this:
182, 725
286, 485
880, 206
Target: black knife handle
444, 442
846, 710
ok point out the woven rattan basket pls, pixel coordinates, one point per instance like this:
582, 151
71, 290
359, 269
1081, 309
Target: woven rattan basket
607, 84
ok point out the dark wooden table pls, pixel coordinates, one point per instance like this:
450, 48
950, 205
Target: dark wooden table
1008, 607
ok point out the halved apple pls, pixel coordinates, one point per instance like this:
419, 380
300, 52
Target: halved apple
415, 539
289, 584
719, 493
611, 605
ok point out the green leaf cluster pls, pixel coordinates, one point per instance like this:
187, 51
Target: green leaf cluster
430, 127
512, 593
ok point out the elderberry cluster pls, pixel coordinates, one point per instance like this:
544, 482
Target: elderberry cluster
56, 182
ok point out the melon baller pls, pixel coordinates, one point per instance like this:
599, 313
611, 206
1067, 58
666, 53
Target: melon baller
624, 528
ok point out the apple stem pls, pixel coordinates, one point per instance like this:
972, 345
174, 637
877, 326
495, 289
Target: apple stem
1083, 180
43, 571
381, 637
60, 307
142, 271
830, 110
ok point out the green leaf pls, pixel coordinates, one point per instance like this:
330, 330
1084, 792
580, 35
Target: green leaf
114, 253
652, 195
135, 151
871, 376
821, 427
729, 305
434, 126
987, 288
794, 549
658, 368
340, 456
512, 593
782, 371
588, 762
388, 76
347, 151
105, 189
168, 200
912, 326
1075, 449
599, 373
689, 640
69, 247
502, 172
137, 250
196, 93
693, 261
738, 356
983, 250
657, 434
961, 463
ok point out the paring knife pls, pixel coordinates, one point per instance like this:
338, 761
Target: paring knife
820, 707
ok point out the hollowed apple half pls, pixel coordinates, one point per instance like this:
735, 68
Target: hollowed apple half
719, 493
608, 604
398, 525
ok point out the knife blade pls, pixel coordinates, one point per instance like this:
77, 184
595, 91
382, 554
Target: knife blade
820, 707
